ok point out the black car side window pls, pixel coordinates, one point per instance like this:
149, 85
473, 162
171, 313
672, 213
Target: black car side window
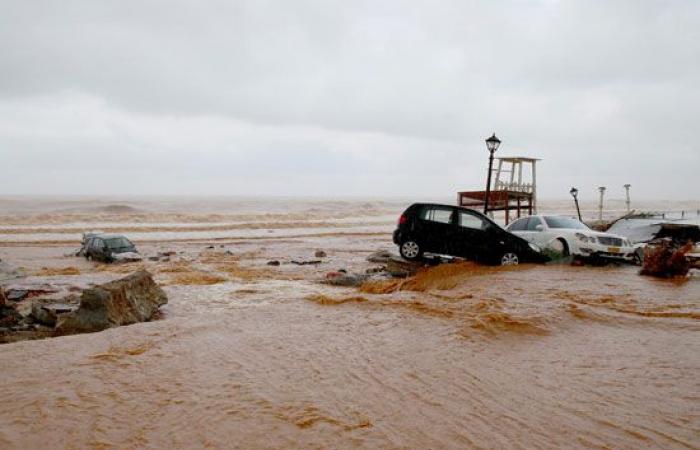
467, 220
434, 214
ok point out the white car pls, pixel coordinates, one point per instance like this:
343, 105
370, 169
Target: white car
571, 237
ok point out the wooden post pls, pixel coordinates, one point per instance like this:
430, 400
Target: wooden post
534, 186
498, 174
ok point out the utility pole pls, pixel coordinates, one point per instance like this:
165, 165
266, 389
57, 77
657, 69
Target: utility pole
600, 205
627, 200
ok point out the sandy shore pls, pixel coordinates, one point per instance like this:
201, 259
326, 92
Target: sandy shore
252, 356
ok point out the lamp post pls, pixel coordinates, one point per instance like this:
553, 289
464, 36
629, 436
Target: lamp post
627, 196
492, 144
600, 205
574, 194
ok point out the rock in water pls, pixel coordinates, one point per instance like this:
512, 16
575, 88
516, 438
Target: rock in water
320, 254
135, 298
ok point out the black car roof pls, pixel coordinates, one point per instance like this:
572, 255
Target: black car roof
463, 208
109, 236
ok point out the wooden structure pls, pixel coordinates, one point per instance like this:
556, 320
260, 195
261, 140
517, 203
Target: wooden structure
509, 190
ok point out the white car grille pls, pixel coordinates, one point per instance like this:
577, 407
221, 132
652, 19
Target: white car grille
612, 241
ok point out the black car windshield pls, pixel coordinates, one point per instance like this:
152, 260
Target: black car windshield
118, 242
564, 222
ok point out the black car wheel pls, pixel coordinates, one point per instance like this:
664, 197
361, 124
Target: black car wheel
510, 259
410, 250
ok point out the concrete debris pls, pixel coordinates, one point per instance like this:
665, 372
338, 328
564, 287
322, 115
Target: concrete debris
380, 257
345, 279
9, 317
16, 295
399, 267
135, 298
48, 313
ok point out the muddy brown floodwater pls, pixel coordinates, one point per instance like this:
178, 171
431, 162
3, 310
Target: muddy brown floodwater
252, 356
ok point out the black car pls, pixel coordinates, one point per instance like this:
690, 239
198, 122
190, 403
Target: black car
103, 247
455, 231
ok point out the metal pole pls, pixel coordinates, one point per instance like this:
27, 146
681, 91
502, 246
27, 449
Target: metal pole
578, 210
488, 184
600, 205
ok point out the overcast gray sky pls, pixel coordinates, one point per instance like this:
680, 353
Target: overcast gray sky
301, 97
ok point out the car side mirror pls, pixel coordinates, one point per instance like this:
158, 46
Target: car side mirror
539, 227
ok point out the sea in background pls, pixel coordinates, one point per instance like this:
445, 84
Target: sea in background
63, 219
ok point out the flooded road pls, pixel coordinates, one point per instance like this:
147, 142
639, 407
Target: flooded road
460, 356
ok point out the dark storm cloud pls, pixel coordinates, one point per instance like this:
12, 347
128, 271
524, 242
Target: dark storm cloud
370, 93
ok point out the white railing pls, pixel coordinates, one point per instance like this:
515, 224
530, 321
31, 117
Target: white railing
515, 187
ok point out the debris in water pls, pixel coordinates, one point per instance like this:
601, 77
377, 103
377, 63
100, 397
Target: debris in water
664, 260
307, 263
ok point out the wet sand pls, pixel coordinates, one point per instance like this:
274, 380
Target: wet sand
461, 356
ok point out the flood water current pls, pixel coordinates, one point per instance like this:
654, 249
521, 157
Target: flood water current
250, 356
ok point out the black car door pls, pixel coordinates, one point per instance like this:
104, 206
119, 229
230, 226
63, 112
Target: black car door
436, 228
473, 237
94, 247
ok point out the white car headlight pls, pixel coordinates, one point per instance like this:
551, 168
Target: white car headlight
581, 237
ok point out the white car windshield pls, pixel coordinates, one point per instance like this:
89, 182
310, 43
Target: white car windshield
564, 222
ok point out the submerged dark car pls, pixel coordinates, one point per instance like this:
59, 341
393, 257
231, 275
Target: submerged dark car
451, 230
105, 247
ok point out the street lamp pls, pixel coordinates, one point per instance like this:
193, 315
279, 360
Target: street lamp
492, 144
574, 194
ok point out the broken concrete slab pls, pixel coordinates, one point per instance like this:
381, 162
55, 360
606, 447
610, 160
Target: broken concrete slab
345, 279
16, 295
9, 317
380, 257
48, 313
307, 263
401, 268
136, 298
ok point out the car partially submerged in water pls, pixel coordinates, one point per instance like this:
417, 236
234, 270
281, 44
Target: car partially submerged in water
569, 236
108, 248
431, 228
648, 229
